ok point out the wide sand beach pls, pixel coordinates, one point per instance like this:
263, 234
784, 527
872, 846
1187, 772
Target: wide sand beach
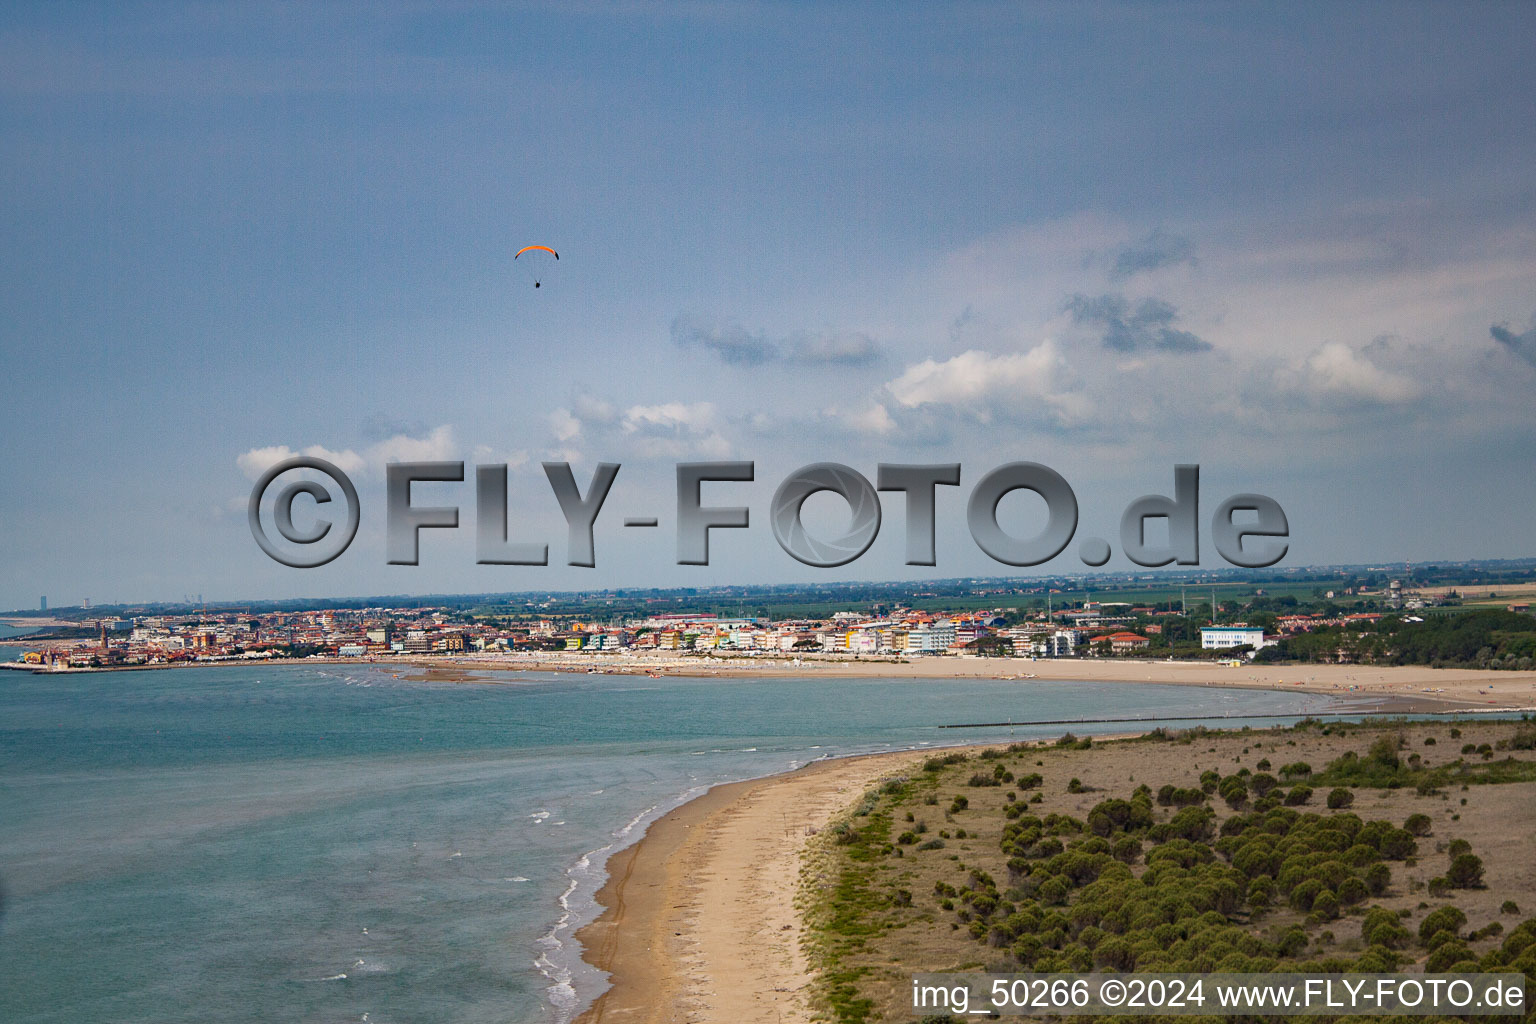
1408, 687
700, 920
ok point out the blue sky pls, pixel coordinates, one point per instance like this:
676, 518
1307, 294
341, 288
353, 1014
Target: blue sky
1294, 244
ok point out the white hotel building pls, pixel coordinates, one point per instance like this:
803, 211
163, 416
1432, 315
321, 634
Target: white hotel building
1218, 637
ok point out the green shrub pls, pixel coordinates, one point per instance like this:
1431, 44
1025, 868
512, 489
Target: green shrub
1303, 894
1382, 928
1466, 872
1383, 751
1447, 955
1352, 891
1418, 825
933, 764
1234, 790
1446, 918
1192, 823
1398, 845
1339, 798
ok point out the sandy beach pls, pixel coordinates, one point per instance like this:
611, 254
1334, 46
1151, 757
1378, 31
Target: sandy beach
700, 919
1398, 688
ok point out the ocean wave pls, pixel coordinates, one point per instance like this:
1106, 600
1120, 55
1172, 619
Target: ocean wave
560, 992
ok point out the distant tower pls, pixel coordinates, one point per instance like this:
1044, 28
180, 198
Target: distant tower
103, 637
45, 602
87, 603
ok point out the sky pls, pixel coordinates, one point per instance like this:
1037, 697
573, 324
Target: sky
1293, 244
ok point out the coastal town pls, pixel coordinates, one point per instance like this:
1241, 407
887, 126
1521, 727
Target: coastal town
1093, 630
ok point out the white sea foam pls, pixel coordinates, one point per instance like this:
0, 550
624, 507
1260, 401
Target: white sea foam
560, 992
559, 961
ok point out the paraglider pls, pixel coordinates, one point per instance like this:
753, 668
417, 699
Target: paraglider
535, 259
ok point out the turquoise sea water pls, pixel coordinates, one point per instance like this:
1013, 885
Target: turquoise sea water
316, 843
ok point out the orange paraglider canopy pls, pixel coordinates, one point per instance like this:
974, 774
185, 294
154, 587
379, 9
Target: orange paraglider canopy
541, 248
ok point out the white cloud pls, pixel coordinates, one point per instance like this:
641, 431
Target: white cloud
566, 426
985, 384
1336, 370
677, 416
258, 460
437, 446
874, 420
674, 430
662, 430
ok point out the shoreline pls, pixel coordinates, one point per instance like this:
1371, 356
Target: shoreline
1416, 688
700, 914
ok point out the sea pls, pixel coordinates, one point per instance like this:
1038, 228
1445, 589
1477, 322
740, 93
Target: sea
326, 843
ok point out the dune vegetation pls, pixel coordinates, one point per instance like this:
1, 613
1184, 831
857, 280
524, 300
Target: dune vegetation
1404, 849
